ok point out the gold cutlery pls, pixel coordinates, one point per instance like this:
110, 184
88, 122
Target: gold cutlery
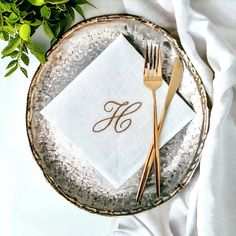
176, 78
153, 79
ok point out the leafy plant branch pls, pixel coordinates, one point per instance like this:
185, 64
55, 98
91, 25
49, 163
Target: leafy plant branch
19, 20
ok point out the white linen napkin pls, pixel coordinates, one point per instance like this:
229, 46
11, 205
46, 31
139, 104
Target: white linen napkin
83, 112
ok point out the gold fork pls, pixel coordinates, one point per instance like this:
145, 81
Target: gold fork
175, 81
153, 80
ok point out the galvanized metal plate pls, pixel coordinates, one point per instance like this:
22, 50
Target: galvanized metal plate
71, 175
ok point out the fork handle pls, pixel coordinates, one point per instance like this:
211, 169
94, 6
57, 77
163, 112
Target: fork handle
153, 157
147, 168
156, 145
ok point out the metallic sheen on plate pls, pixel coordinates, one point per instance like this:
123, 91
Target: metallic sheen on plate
71, 175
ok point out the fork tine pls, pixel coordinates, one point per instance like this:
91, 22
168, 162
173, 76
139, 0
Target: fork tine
146, 57
146, 61
155, 59
159, 67
151, 58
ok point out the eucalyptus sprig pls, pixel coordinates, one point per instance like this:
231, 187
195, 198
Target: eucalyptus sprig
19, 20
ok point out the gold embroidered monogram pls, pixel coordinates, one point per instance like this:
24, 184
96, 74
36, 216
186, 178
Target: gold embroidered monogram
120, 110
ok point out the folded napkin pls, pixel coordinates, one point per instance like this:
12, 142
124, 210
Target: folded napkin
107, 112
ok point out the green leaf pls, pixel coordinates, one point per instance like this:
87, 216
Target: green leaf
1, 19
37, 52
37, 2
53, 41
81, 2
79, 10
11, 71
17, 27
25, 58
45, 12
48, 31
11, 64
5, 36
25, 32
14, 54
57, 30
13, 18
2, 36
9, 29
15, 9
23, 14
13, 43
61, 7
24, 49
57, 1
24, 71
5, 7
71, 12
34, 23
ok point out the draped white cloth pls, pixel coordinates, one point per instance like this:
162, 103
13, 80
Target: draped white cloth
207, 33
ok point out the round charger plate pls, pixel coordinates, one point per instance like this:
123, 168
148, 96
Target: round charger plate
71, 175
